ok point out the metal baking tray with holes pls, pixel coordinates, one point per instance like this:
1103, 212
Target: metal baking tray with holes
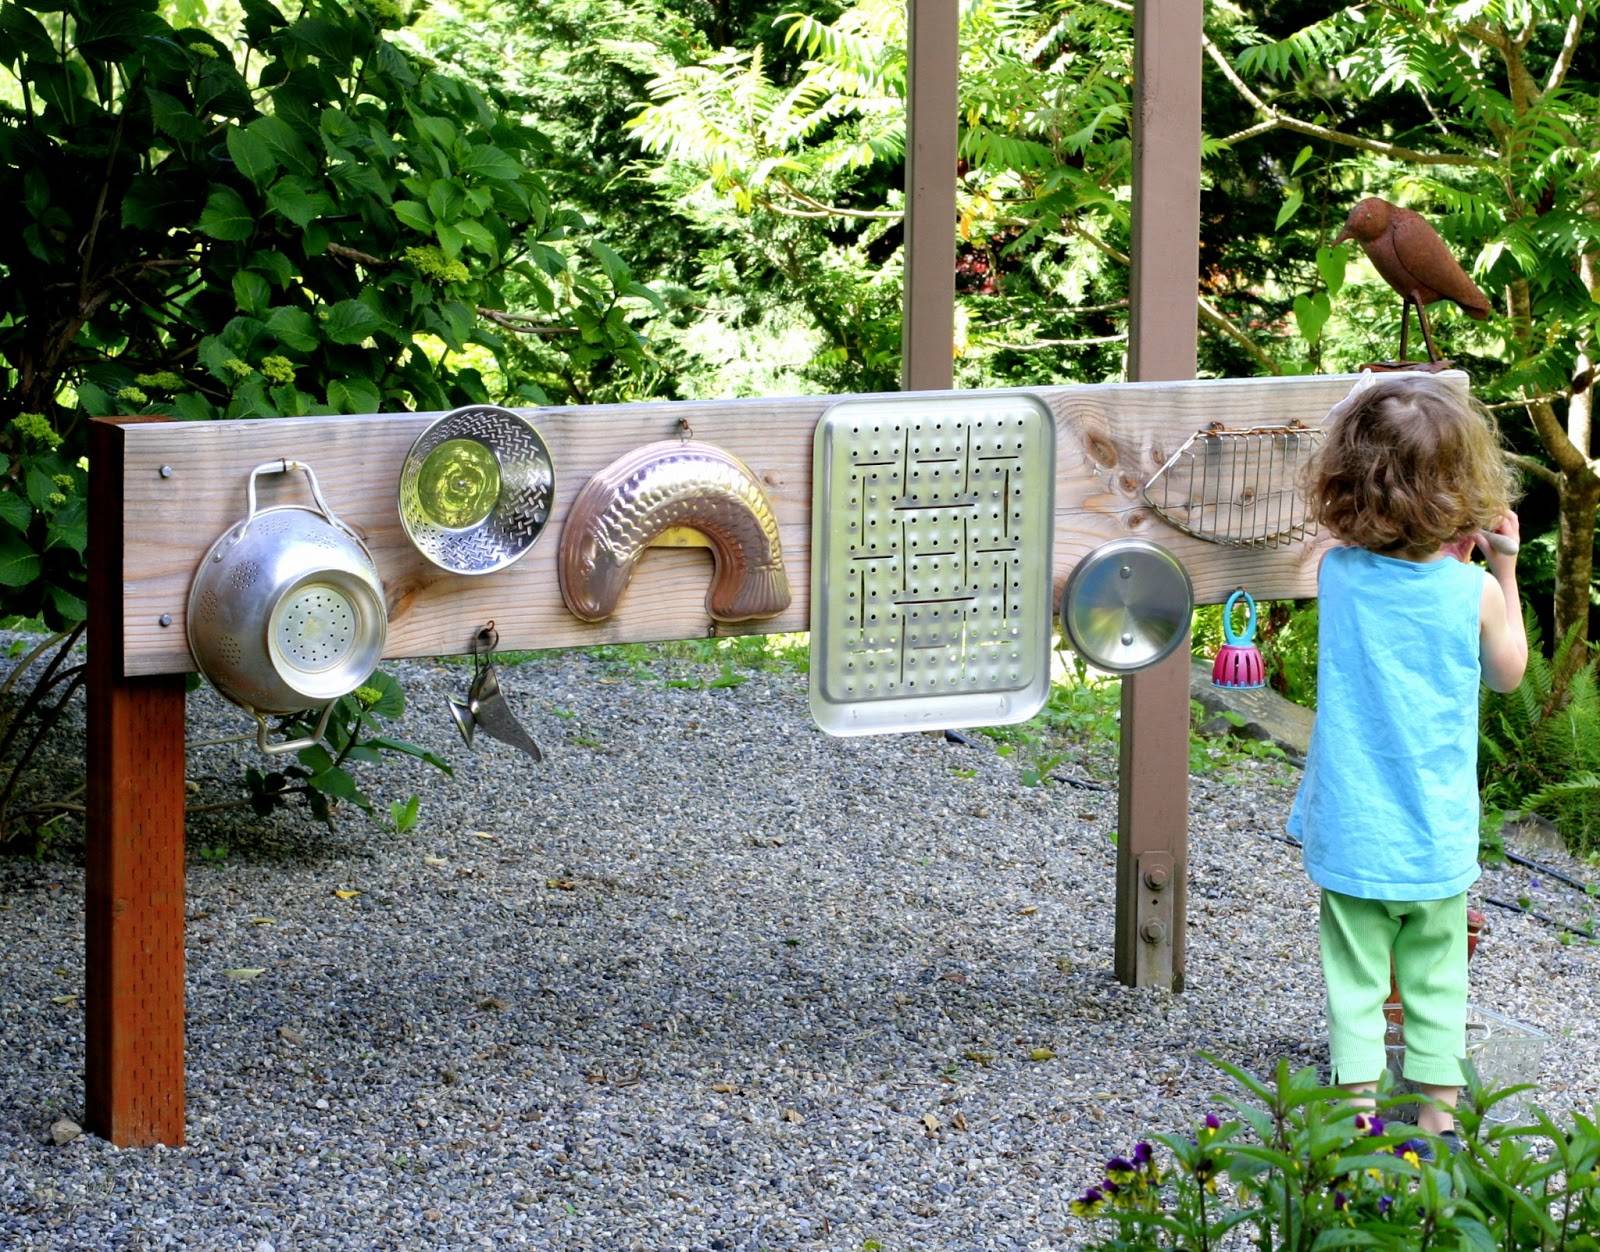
932, 523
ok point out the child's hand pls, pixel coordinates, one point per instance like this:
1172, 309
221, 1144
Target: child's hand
1500, 546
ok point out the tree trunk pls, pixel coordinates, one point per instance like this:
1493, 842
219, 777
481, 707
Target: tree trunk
1579, 506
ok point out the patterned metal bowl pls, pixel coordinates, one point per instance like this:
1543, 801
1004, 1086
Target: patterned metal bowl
476, 489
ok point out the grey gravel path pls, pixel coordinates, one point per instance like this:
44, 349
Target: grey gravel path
705, 979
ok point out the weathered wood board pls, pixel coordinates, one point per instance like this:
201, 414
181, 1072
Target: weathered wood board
1110, 439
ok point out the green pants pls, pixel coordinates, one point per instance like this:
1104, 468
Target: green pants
1428, 940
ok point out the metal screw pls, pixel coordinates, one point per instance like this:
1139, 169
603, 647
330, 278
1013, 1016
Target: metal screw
1126, 571
1155, 879
1153, 932
166, 471
1127, 638
165, 619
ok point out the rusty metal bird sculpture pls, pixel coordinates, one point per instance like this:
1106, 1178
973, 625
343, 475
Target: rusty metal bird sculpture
1412, 259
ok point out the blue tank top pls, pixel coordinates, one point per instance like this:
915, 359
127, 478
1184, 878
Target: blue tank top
1388, 806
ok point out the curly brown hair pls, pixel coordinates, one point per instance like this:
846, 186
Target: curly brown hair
1408, 465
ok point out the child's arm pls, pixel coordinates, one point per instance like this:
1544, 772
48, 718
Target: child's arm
1502, 640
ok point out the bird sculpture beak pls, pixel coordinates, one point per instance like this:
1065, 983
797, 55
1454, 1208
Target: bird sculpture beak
1342, 236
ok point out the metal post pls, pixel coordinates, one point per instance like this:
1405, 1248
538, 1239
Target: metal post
1152, 812
133, 991
927, 335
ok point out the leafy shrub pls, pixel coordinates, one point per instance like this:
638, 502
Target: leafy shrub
315, 219
1540, 744
1298, 1168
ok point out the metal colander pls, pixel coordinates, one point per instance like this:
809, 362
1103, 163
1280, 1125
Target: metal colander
286, 612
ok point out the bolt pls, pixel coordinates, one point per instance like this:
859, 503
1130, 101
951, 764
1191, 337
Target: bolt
166, 471
1155, 878
1127, 638
1153, 932
165, 619
1126, 571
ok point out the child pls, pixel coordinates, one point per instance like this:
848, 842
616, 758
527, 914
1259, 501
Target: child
1388, 808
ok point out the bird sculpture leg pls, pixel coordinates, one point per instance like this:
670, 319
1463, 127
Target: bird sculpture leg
1427, 333
1405, 325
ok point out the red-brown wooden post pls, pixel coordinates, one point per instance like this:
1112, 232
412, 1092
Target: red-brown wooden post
1153, 802
133, 985
933, 68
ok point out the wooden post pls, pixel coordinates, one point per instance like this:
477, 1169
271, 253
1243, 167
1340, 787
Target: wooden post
1152, 810
927, 334
133, 988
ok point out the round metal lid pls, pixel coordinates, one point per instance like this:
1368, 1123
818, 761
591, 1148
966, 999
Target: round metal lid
1126, 605
476, 489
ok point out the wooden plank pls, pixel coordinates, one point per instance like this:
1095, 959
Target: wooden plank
134, 884
1153, 792
928, 308
1110, 439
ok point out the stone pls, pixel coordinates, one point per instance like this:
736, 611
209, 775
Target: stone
1266, 715
1533, 835
63, 1131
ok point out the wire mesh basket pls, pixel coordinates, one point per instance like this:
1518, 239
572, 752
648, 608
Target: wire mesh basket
1237, 488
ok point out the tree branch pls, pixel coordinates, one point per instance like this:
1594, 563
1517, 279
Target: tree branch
1569, 47
522, 324
1534, 469
1275, 120
1219, 321
365, 258
832, 210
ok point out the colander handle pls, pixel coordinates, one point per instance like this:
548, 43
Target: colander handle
291, 745
286, 466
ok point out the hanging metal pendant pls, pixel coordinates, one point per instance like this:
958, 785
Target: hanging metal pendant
485, 706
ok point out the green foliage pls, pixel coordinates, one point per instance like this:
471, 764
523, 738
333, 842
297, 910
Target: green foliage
323, 779
314, 220
1540, 744
1296, 1167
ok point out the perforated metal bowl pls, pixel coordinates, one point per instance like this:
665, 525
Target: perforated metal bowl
286, 612
476, 488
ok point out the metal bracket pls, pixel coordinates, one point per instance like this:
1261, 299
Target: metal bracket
1157, 896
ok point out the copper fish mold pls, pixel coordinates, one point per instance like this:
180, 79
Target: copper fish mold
664, 486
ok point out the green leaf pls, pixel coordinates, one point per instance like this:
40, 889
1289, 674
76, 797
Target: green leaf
69, 528
68, 605
19, 564
391, 702
445, 199
1311, 315
338, 783
350, 321
487, 161
353, 395
251, 292
226, 216
173, 117
1331, 264
14, 510
413, 215
284, 141
1291, 206
450, 240
292, 199
479, 236
293, 328
615, 267
1301, 159
404, 815
40, 485
411, 749
252, 155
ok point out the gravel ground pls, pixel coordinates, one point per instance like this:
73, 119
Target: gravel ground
704, 979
